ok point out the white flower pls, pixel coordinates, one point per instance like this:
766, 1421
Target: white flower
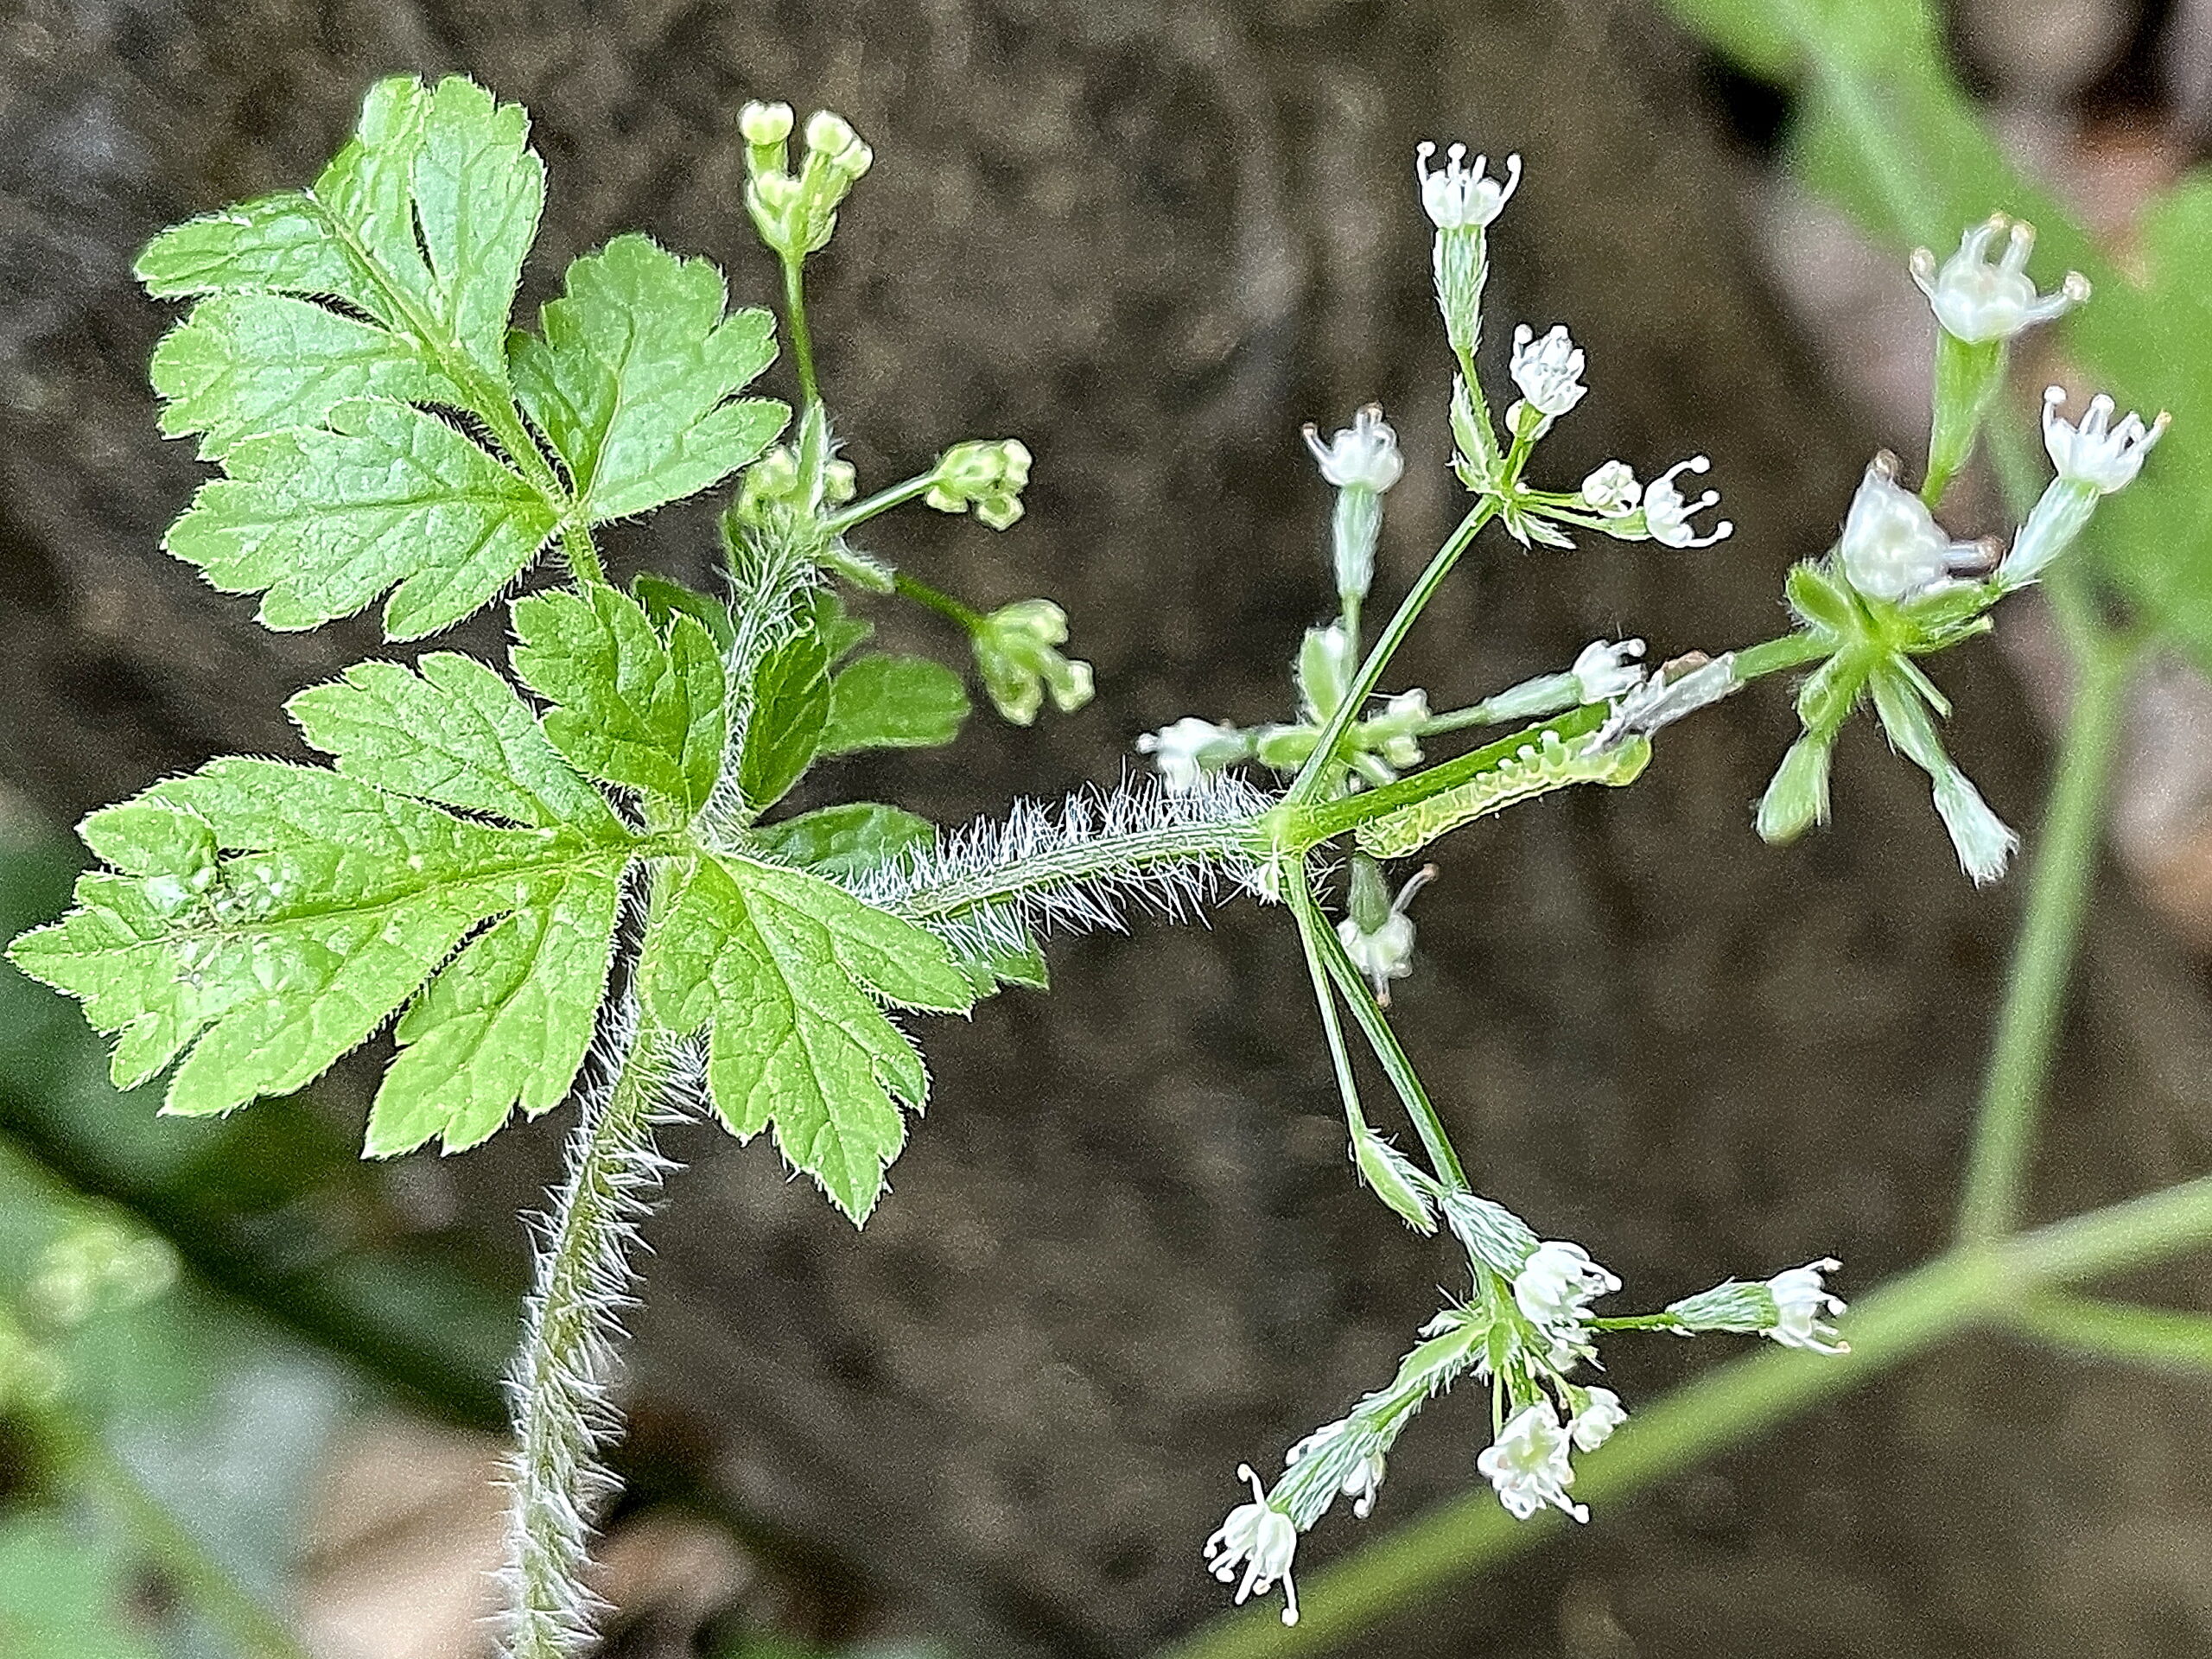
1179, 751
1979, 301
1804, 1308
2097, 453
1601, 1414
1363, 1481
1556, 1284
1528, 1464
1547, 370
1262, 1539
1667, 515
1386, 953
1611, 489
1365, 452
1892, 546
1457, 197
1603, 672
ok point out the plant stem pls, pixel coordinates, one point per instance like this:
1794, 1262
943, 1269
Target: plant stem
2156, 1339
1385, 1041
561, 1378
943, 604
2064, 870
205, 1583
795, 315
1310, 922
882, 501
1970, 1285
1315, 774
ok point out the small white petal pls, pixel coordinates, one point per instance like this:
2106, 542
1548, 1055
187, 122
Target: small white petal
2097, 452
1805, 1310
1547, 370
1667, 514
1611, 488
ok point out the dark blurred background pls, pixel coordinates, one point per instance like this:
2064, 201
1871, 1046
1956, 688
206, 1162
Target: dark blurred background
1125, 1253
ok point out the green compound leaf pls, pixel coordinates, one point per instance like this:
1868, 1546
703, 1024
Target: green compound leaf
634, 382
421, 223
790, 973
893, 703
632, 707
326, 314
261, 919
322, 519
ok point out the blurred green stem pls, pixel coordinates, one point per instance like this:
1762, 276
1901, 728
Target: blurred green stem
205, 1583
2064, 872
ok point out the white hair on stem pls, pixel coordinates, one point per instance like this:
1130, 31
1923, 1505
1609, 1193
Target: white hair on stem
1083, 866
560, 1387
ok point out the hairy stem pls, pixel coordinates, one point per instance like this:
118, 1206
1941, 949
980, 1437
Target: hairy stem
559, 1388
2064, 870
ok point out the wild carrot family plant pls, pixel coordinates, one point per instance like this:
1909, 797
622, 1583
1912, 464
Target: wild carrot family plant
572, 878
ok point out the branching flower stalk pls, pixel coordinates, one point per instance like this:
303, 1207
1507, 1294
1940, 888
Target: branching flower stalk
458, 871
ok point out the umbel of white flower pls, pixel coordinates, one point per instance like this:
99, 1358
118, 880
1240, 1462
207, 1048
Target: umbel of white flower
1260, 1538
1528, 1464
1557, 1284
1667, 514
1363, 454
1892, 547
1548, 371
1459, 197
1979, 300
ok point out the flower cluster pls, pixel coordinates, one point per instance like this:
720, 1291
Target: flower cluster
1526, 1328
797, 214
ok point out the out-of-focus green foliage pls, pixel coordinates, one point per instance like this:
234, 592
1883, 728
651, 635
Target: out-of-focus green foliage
1883, 128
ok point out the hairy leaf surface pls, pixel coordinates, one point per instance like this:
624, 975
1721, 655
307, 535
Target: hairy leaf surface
321, 520
893, 703
635, 381
632, 707
260, 920
790, 972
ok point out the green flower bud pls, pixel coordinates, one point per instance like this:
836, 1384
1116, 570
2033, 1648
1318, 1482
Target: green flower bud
1390, 1175
1016, 652
1797, 797
764, 128
985, 475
